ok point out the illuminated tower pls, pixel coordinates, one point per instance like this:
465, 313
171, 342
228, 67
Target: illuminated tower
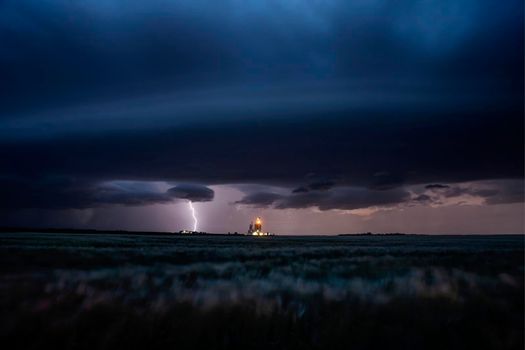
258, 225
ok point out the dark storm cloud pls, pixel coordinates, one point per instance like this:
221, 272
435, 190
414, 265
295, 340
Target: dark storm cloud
492, 192
58, 52
63, 192
322, 185
192, 192
341, 198
315, 185
456, 191
351, 198
372, 94
384, 180
422, 198
346, 199
462, 148
300, 189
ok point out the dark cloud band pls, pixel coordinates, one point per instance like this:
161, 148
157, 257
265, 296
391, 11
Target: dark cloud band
192, 192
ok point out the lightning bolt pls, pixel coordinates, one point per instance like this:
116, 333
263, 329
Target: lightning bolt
195, 222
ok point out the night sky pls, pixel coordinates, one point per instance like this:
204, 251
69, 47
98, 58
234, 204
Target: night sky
322, 117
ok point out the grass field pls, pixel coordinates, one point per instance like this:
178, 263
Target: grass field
364, 292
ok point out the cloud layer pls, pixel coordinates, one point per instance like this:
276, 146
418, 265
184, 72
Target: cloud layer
339, 104
192, 192
353, 198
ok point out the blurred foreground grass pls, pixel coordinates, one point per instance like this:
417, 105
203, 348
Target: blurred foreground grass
123, 291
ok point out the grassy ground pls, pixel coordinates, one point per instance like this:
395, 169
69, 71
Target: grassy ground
124, 291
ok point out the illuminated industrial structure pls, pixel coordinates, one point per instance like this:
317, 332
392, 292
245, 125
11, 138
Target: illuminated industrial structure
255, 229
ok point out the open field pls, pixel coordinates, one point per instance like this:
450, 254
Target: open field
128, 291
